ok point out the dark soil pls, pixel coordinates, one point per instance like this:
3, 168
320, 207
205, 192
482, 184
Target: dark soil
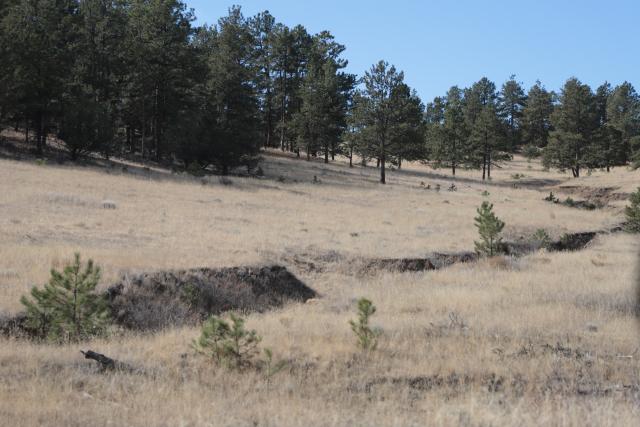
152, 301
436, 261
13, 326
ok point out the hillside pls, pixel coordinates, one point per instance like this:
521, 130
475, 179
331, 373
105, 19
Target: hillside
546, 338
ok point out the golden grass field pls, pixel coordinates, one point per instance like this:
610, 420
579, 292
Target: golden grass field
547, 339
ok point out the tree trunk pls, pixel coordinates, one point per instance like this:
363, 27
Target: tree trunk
39, 132
484, 158
351, 157
269, 118
383, 177
128, 143
156, 121
143, 132
484, 167
326, 154
453, 159
284, 97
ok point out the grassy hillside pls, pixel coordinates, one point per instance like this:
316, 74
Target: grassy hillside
547, 338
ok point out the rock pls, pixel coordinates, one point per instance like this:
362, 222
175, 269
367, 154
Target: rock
108, 204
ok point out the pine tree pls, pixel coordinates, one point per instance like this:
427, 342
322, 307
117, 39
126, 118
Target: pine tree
86, 125
67, 308
262, 27
623, 113
232, 113
38, 36
606, 148
291, 54
408, 136
385, 115
158, 74
455, 150
536, 116
489, 227
230, 345
324, 95
575, 120
367, 336
486, 141
511, 102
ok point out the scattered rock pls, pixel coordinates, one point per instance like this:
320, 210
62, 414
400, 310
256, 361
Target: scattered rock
108, 204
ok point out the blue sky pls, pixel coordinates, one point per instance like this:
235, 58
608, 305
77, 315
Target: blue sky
443, 43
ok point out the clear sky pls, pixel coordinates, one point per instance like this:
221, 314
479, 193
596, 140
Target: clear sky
443, 43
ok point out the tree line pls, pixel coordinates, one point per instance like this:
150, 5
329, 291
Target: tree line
575, 129
137, 77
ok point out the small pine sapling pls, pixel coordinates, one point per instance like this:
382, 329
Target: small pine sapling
67, 308
541, 238
489, 227
270, 366
230, 345
367, 336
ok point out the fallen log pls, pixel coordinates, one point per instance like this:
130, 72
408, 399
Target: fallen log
106, 363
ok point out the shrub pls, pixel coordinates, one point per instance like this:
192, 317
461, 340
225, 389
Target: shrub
229, 345
367, 336
68, 309
531, 152
489, 227
632, 213
195, 169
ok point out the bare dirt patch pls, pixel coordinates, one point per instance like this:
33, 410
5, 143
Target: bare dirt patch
599, 196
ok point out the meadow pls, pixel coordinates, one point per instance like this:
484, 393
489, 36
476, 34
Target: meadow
548, 338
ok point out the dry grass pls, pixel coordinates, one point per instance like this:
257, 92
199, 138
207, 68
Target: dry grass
546, 339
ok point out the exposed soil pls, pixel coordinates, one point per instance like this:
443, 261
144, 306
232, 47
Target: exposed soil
152, 301
598, 196
436, 261
516, 385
